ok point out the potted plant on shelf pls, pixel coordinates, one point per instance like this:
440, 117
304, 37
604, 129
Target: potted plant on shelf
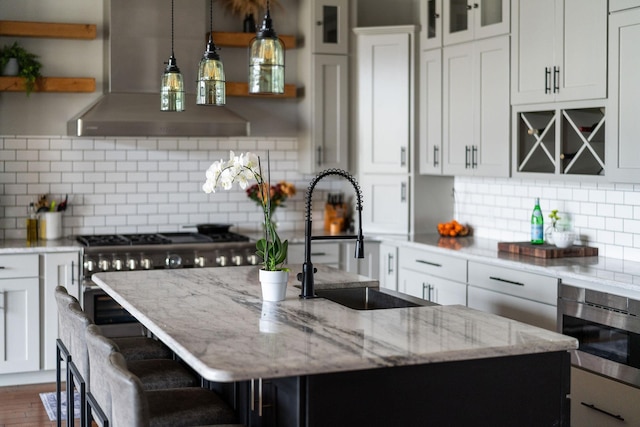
27, 64
271, 249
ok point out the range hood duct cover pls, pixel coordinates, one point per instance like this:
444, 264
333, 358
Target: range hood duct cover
138, 45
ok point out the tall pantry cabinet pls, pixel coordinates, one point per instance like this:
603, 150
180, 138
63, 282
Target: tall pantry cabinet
386, 129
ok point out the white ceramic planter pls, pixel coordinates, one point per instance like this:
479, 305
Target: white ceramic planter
274, 285
11, 68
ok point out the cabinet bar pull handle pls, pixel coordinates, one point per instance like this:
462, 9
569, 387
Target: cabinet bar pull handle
556, 79
429, 288
389, 262
403, 192
421, 261
474, 155
511, 282
469, 7
595, 408
547, 80
253, 395
403, 156
318, 253
2, 267
73, 270
260, 397
476, 5
466, 157
2, 301
319, 150
435, 155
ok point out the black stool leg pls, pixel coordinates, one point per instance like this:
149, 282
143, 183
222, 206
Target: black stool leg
58, 384
70, 388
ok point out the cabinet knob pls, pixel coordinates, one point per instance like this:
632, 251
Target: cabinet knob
319, 23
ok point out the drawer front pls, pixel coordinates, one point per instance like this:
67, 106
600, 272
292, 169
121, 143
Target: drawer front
518, 283
321, 253
23, 265
449, 267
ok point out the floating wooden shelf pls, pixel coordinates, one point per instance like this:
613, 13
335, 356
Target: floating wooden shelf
242, 89
47, 29
50, 84
228, 39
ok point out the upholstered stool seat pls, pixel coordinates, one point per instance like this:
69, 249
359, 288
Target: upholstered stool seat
140, 348
123, 397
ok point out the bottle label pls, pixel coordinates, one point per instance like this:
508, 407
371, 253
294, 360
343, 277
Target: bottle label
537, 233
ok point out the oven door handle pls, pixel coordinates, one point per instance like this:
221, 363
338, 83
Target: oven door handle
602, 411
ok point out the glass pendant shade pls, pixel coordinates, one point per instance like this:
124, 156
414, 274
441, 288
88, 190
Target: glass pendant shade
266, 61
172, 88
211, 82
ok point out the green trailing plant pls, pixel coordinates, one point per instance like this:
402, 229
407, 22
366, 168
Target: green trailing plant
28, 64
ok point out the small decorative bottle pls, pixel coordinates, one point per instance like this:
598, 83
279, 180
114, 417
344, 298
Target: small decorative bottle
537, 225
32, 225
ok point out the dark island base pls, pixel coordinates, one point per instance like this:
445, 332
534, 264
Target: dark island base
529, 390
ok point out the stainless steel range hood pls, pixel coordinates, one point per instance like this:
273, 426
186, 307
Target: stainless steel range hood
138, 42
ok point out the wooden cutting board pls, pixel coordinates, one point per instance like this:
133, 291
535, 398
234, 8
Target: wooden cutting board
546, 250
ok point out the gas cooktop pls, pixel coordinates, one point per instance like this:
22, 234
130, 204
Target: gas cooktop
158, 239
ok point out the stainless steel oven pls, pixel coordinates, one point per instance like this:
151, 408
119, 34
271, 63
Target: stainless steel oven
125, 252
607, 328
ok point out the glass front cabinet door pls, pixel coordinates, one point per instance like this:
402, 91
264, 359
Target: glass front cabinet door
331, 27
466, 20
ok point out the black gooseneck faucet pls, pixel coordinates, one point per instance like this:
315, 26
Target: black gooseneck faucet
306, 277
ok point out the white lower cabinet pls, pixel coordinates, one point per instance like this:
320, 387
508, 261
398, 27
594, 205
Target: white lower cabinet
431, 288
388, 265
58, 268
19, 313
432, 276
367, 266
600, 402
523, 296
386, 207
321, 253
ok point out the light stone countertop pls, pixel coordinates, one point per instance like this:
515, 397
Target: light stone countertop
215, 320
20, 246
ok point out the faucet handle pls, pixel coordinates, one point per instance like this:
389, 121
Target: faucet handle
299, 275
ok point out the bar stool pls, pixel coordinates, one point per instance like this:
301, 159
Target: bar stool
150, 359
126, 403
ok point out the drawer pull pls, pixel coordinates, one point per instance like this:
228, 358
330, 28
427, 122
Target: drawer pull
421, 261
595, 408
511, 282
318, 253
389, 263
2, 267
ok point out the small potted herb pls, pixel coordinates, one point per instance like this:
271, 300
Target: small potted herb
28, 65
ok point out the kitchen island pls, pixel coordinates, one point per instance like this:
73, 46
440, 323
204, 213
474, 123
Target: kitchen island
315, 362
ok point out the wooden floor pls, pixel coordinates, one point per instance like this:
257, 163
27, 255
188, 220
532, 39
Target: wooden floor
20, 406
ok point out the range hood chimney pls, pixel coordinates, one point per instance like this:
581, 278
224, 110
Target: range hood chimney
139, 42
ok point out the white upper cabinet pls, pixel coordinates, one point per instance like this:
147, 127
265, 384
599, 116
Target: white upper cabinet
330, 21
385, 98
323, 70
430, 112
465, 20
559, 50
475, 130
623, 150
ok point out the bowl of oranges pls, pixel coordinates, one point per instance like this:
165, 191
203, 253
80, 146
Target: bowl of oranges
453, 229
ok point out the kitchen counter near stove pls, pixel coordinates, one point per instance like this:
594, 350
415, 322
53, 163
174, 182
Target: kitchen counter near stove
20, 246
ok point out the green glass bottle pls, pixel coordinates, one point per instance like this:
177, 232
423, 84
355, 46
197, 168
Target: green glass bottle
537, 225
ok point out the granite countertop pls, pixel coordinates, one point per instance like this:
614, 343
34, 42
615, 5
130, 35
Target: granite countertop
215, 320
20, 246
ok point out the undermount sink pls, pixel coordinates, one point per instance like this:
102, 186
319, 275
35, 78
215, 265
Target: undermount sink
370, 298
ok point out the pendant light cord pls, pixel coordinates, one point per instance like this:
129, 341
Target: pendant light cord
172, 28
211, 19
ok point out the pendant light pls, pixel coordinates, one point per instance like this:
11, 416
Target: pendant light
266, 60
172, 88
211, 83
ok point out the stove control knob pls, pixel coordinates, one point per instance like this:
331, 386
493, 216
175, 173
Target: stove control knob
222, 260
200, 261
173, 261
104, 264
90, 265
118, 264
146, 263
236, 260
132, 263
252, 259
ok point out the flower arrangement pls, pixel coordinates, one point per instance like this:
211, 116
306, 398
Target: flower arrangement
554, 217
277, 194
242, 169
